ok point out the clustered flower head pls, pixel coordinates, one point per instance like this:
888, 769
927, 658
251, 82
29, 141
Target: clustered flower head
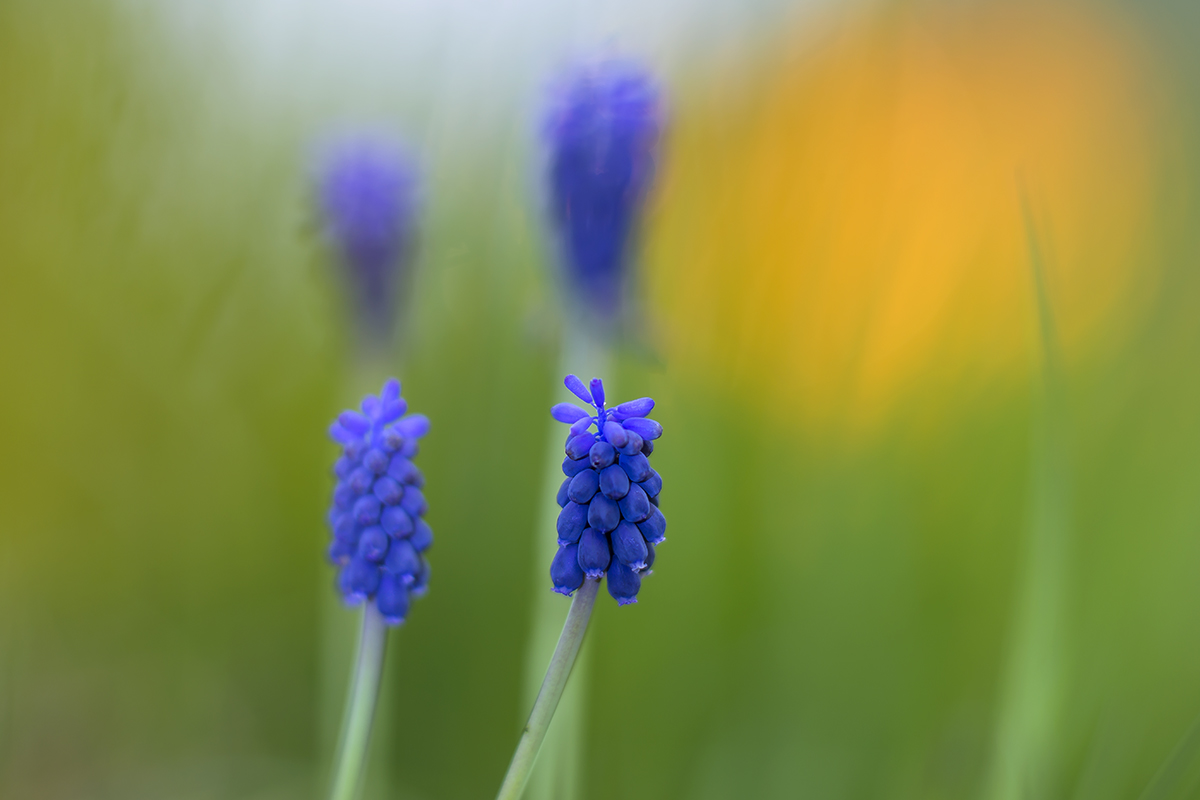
601, 129
379, 531
367, 193
610, 522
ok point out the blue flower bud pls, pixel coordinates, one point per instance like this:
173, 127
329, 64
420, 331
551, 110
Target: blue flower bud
635, 506
573, 466
623, 583
614, 482
396, 522
568, 413
402, 559
652, 485
629, 546
634, 408
377, 517
654, 527
565, 572
603, 514
422, 536
594, 553
571, 522
373, 544
637, 467
392, 598
645, 428
583, 486
610, 519
601, 455
388, 491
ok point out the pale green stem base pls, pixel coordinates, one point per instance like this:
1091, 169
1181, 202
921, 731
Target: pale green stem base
360, 710
552, 688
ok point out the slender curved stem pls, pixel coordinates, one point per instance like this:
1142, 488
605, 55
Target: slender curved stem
360, 710
552, 688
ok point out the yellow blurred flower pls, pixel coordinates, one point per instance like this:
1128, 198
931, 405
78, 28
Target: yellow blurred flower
844, 226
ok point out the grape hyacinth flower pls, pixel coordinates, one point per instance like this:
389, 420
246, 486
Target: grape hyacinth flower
610, 522
367, 195
601, 129
379, 541
378, 516
608, 527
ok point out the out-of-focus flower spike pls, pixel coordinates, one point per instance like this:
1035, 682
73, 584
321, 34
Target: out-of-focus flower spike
601, 129
377, 516
367, 190
597, 388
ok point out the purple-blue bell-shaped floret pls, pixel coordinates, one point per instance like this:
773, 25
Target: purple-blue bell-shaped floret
373, 544
614, 482
603, 513
402, 559
601, 455
594, 553
623, 583
629, 546
396, 522
652, 485
420, 586
565, 572
392, 598
645, 428
580, 445
422, 536
583, 486
654, 527
362, 580
573, 466
571, 522
635, 506
610, 518
377, 516
637, 467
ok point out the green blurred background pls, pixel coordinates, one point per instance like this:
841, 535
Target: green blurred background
839, 324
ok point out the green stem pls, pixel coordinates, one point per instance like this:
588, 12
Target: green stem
552, 688
356, 731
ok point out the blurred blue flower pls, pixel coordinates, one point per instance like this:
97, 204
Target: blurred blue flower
379, 531
601, 130
367, 193
610, 522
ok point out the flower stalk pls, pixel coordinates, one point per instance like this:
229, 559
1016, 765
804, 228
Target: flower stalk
360, 708
555, 681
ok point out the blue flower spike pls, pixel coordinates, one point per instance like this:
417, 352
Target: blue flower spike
367, 191
610, 522
601, 129
379, 532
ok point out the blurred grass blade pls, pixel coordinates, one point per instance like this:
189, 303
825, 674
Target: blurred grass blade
1024, 751
1179, 776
